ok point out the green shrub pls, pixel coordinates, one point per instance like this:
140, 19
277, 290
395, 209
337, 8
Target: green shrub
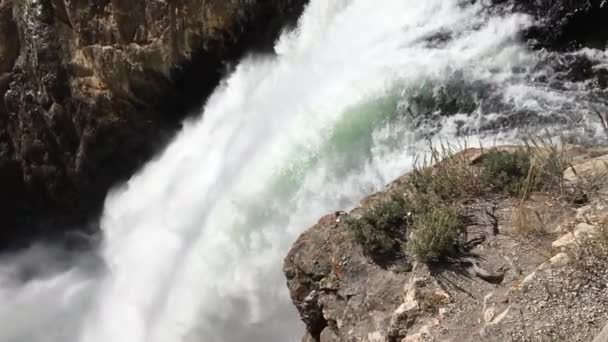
446, 176
434, 188
506, 171
389, 215
375, 242
436, 233
382, 228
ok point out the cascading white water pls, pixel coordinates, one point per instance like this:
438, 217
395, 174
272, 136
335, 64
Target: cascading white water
193, 244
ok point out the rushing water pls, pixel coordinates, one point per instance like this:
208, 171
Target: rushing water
193, 244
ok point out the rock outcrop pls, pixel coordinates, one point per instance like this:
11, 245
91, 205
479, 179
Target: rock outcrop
90, 89
345, 294
339, 294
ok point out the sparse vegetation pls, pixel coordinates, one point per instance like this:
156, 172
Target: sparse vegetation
548, 161
546, 173
425, 219
527, 221
446, 176
506, 171
437, 188
428, 218
431, 302
437, 233
381, 227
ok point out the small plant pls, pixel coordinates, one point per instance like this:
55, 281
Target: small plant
546, 173
506, 171
434, 188
527, 221
437, 233
430, 193
445, 175
382, 228
537, 167
431, 302
389, 215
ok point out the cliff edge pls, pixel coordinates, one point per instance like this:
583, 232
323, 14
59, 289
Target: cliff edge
505, 244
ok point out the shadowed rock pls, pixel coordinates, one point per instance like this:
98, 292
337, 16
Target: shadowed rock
99, 86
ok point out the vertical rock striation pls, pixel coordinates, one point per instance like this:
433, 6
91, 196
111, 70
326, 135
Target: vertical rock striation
90, 89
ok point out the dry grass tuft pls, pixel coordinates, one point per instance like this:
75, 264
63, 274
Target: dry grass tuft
549, 160
446, 175
528, 221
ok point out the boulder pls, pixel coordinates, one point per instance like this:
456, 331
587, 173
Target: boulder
340, 292
596, 167
603, 335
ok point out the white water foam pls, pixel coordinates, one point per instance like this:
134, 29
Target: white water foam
193, 244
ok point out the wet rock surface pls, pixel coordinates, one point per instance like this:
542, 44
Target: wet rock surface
564, 25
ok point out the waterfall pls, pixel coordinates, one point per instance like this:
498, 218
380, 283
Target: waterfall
193, 244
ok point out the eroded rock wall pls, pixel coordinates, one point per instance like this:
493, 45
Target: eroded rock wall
90, 89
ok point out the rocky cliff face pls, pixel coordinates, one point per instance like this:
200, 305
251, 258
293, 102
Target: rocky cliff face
90, 89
